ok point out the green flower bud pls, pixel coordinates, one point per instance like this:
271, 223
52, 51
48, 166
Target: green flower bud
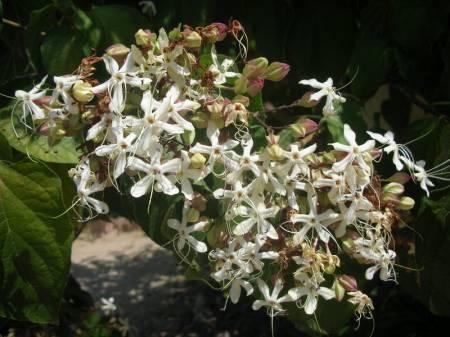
406, 203
276, 71
275, 152
193, 215
117, 51
188, 136
394, 188
200, 120
240, 85
338, 289
255, 67
192, 40
82, 91
198, 161
175, 34
143, 38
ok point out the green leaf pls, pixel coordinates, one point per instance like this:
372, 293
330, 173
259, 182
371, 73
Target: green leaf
117, 24
440, 208
5, 149
335, 128
35, 244
65, 152
62, 50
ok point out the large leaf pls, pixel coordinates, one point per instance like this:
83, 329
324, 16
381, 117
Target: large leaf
34, 243
65, 152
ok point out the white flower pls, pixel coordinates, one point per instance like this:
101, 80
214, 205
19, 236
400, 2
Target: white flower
419, 173
216, 151
235, 289
314, 221
28, 106
155, 175
186, 174
107, 305
220, 70
87, 184
117, 84
312, 291
246, 162
354, 151
184, 231
391, 146
62, 88
271, 300
325, 89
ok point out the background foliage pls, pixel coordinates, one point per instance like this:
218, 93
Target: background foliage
391, 58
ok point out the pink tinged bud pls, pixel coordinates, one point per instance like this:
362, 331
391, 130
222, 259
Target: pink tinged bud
240, 85
339, 290
399, 177
143, 38
304, 127
276, 71
192, 39
118, 51
348, 282
306, 101
255, 67
222, 30
255, 86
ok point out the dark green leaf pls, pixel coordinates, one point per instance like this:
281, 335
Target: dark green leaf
34, 243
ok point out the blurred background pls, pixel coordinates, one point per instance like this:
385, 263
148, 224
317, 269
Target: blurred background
390, 59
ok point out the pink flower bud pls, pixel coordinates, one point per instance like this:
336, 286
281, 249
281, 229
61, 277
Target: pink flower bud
222, 29
304, 127
375, 153
399, 177
348, 282
276, 71
118, 51
255, 86
44, 130
45, 100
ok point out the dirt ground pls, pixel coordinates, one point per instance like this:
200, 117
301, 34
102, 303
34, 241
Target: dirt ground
118, 260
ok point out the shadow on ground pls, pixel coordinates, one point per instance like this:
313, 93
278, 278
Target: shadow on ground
152, 294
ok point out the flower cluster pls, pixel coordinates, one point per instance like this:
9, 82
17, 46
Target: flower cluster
174, 117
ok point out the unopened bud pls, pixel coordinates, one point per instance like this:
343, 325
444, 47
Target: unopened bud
339, 290
275, 152
198, 161
118, 51
244, 100
87, 115
389, 198
214, 32
394, 188
188, 136
304, 127
192, 39
306, 101
328, 158
255, 67
399, 177
240, 85
406, 203
276, 71
348, 282
199, 202
82, 91
192, 215
255, 86
200, 120
143, 38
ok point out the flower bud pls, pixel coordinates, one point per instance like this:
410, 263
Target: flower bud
348, 282
399, 177
276, 71
192, 39
275, 152
143, 38
198, 161
192, 215
304, 127
175, 34
406, 203
394, 188
87, 116
255, 86
188, 136
244, 100
338, 289
199, 202
389, 198
118, 51
200, 119
328, 158
255, 67
240, 85
82, 91
272, 138
214, 32
306, 101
